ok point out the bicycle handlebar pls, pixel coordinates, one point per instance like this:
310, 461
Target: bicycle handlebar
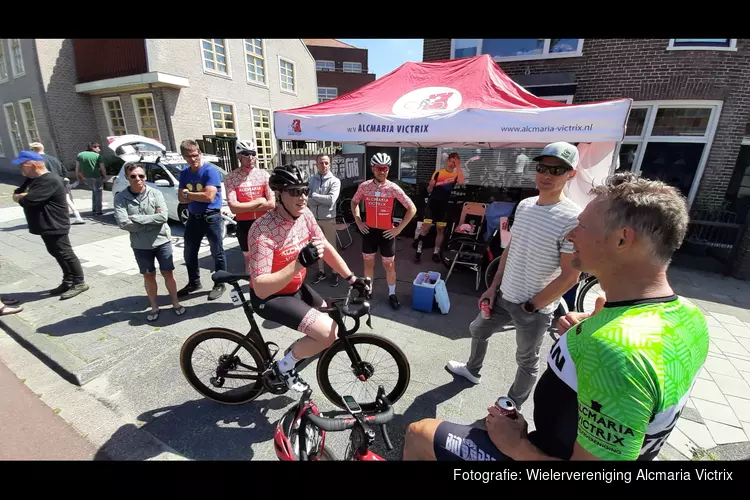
352, 307
331, 424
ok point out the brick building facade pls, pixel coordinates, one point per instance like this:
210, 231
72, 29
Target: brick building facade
74, 91
340, 68
690, 116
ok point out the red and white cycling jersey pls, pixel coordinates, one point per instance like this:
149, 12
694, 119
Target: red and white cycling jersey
379, 200
274, 242
243, 186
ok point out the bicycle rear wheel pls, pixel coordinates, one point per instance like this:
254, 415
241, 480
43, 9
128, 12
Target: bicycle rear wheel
393, 376
489, 273
240, 358
587, 296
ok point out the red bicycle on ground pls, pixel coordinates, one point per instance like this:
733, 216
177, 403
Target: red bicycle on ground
301, 432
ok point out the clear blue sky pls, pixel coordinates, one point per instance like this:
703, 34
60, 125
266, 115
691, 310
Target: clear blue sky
386, 54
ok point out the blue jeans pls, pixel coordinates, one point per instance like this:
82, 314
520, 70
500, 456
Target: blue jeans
198, 226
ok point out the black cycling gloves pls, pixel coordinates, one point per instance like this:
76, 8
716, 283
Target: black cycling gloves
308, 255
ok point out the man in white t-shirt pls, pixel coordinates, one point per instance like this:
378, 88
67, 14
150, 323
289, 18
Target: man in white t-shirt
535, 271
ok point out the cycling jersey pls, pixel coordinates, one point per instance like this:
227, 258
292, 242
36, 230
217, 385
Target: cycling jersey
243, 186
379, 199
617, 382
444, 183
274, 242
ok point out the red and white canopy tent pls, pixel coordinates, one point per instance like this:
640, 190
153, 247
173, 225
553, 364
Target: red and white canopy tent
462, 103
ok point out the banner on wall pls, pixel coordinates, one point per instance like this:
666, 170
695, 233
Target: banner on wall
349, 168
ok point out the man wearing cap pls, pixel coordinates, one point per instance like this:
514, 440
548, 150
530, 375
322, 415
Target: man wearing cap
55, 166
535, 271
45, 205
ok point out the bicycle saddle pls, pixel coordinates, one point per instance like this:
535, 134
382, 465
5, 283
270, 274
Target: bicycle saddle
226, 277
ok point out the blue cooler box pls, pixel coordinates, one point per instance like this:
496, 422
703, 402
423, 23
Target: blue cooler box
423, 294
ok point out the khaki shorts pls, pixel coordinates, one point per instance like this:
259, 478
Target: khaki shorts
329, 229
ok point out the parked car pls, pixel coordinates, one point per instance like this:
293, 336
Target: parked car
162, 172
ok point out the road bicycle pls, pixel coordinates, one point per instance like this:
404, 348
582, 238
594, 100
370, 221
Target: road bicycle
301, 432
253, 367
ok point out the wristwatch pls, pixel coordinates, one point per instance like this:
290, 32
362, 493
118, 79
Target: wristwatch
529, 307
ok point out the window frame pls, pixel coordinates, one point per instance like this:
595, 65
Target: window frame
526, 57
333, 65
327, 88
731, 48
25, 123
10, 129
567, 99
105, 100
22, 72
138, 120
294, 75
263, 59
214, 72
4, 61
645, 138
234, 114
269, 159
343, 66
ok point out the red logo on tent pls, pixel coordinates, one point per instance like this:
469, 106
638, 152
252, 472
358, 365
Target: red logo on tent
295, 127
434, 101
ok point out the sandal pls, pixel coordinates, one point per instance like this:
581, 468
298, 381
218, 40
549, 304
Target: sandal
153, 315
5, 310
179, 311
9, 302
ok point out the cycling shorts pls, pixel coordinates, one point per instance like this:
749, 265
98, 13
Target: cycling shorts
464, 442
243, 227
374, 241
297, 311
436, 212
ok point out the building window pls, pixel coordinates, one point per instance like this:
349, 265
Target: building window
514, 49
702, 44
567, 99
145, 114
29, 122
215, 58
114, 116
738, 192
352, 67
669, 141
325, 66
263, 136
407, 165
255, 61
16, 57
222, 118
327, 93
3, 63
2, 149
287, 77
14, 130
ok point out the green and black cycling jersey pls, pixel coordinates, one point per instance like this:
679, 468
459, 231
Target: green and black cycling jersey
617, 382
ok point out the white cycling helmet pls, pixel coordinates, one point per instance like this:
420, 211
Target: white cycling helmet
380, 159
245, 146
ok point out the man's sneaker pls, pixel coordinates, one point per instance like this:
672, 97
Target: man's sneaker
320, 276
74, 290
64, 287
418, 257
394, 301
460, 369
335, 279
188, 289
217, 291
436, 257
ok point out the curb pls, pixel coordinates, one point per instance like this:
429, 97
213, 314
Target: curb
55, 357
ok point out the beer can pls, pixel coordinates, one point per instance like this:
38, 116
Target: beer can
507, 407
485, 308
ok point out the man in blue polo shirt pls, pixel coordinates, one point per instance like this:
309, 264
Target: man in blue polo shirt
200, 189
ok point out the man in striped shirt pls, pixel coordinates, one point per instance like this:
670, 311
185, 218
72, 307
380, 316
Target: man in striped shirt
535, 271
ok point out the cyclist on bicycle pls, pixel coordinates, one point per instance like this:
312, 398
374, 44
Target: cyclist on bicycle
439, 190
283, 243
378, 232
248, 194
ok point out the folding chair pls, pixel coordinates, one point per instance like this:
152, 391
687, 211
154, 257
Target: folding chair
342, 224
471, 249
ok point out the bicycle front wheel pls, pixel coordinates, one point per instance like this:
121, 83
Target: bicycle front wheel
223, 366
383, 363
587, 296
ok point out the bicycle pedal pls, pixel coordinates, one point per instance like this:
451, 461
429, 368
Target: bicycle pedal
273, 385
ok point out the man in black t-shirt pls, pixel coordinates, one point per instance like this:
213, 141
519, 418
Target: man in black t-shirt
45, 205
56, 167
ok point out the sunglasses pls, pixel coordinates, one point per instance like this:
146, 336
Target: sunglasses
298, 191
137, 176
380, 169
248, 153
555, 170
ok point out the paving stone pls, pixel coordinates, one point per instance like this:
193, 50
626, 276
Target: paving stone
719, 366
741, 408
704, 375
731, 347
709, 391
725, 434
742, 331
717, 412
727, 319
697, 433
682, 443
719, 332
732, 386
741, 364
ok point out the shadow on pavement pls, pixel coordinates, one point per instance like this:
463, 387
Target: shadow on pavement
15, 228
27, 297
202, 430
132, 310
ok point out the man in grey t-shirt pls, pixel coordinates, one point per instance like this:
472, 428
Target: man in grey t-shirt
535, 271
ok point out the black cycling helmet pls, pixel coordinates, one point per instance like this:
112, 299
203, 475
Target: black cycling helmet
288, 175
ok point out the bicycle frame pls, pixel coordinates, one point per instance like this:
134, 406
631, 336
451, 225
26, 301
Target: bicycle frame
255, 337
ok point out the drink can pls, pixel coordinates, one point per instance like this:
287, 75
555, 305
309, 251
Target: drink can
485, 308
507, 407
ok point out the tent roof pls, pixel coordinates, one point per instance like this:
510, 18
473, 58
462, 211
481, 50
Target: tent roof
464, 101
